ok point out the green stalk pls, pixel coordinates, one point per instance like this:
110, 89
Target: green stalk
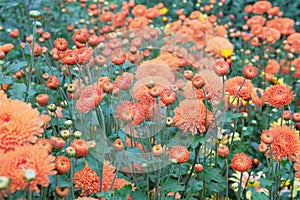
240, 186
31, 62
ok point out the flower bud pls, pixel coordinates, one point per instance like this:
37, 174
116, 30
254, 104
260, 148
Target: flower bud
4, 182
29, 175
57, 143
65, 134
35, 13
77, 134
42, 99
255, 163
199, 168
68, 123
70, 151
52, 107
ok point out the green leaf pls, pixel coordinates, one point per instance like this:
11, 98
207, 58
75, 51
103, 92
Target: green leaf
63, 181
212, 174
172, 186
27, 49
18, 91
6, 80
257, 195
137, 195
265, 182
123, 192
13, 68
231, 115
80, 164
92, 162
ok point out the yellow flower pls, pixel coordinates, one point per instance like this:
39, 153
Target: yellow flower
226, 53
202, 17
278, 122
277, 81
163, 11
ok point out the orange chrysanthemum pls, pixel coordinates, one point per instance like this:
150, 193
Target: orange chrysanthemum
169, 58
233, 85
261, 7
129, 113
138, 23
297, 166
108, 177
87, 180
180, 153
88, 98
279, 95
86, 198
19, 124
124, 81
24, 158
192, 115
286, 143
272, 67
241, 162
215, 45
155, 67
258, 98
293, 41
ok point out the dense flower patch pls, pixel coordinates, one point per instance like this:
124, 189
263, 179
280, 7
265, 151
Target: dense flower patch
149, 100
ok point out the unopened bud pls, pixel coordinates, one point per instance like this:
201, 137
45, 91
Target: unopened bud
29, 175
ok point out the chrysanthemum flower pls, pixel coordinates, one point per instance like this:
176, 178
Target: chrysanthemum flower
192, 115
180, 153
223, 150
241, 162
124, 81
87, 180
19, 123
62, 192
80, 147
233, 85
258, 98
61, 44
27, 157
155, 67
286, 143
62, 164
279, 95
130, 114
88, 98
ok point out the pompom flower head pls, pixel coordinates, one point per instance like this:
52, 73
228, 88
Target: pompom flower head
27, 158
285, 144
279, 95
192, 115
19, 123
241, 162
